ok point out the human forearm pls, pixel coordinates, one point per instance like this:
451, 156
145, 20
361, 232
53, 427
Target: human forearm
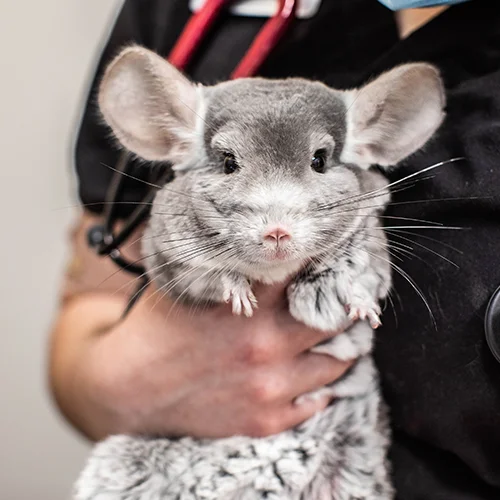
72, 375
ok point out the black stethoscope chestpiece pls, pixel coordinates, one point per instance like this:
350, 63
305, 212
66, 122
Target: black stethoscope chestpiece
492, 324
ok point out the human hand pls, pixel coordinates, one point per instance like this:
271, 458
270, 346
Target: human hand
170, 370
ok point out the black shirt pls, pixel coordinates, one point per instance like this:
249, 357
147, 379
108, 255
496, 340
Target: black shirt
442, 382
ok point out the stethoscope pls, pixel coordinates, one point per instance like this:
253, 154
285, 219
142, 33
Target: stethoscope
101, 237
492, 324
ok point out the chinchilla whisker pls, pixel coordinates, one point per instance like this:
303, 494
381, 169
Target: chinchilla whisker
190, 248
407, 252
212, 234
168, 287
396, 253
139, 292
412, 283
381, 190
393, 252
415, 174
133, 280
120, 270
149, 273
216, 273
163, 188
393, 217
154, 236
384, 241
394, 228
357, 198
341, 252
164, 290
438, 200
382, 244
133, 203
197, 302
411, 219
410, 202
359, 210
198, 209
131, 176
213, 216
191, 109
398, 296
393, 307
137, 261
187, 242
98, 203
408, 278
360, 92
206, 273
415, 255
205, 251
176, 247
435, 200
202, 210
137, 278
428, 249
428, 238
174, 282
192, 253
363, 197
400, 245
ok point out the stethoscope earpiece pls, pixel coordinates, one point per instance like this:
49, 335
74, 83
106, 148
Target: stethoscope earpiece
492, 324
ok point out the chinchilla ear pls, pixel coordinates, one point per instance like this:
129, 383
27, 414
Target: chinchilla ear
393, 116
150, 106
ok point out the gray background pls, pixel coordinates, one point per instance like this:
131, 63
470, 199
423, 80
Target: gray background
49, 50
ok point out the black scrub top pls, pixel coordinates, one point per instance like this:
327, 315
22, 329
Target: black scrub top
439, 376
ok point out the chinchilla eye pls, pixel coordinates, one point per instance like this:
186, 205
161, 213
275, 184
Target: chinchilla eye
318, 162
230, 164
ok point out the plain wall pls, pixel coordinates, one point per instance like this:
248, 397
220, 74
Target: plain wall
49, 51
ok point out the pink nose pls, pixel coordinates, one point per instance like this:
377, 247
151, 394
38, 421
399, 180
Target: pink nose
277, 236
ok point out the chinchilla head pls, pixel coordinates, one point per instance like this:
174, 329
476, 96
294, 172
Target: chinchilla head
279, 170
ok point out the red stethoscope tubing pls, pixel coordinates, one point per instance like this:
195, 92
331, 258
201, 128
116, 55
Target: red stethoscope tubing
200, 23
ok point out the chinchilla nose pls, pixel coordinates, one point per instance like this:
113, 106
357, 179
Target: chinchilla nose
277, 236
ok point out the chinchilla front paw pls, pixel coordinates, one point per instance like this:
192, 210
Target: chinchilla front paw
314, 302
361, 305
238, 291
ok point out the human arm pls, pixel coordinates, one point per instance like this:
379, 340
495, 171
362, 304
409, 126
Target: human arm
174, 371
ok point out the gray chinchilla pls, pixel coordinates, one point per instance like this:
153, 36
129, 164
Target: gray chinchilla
272, 180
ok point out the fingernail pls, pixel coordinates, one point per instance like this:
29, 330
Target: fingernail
300, 400
323, 402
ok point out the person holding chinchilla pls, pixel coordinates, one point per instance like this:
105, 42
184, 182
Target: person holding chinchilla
211, 374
